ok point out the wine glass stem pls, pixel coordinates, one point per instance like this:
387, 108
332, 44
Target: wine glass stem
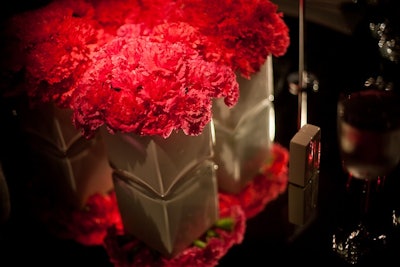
369, 190
366, 197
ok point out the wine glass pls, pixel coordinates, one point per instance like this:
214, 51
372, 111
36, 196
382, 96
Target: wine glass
368, 127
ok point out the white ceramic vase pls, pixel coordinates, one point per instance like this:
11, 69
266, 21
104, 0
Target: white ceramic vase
166, 188
66, 167
244, 133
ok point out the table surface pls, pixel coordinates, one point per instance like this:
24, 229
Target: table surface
270, 239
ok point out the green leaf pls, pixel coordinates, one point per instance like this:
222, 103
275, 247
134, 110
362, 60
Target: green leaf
225, 223
211, 233
199, 243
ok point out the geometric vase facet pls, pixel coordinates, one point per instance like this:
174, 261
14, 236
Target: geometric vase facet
67, 167
244, 133
166, 188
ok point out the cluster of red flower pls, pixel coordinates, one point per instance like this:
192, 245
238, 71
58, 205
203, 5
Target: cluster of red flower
148, 67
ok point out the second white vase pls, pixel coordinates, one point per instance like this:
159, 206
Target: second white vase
244, 133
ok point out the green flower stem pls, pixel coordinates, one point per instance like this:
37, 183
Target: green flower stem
225, 224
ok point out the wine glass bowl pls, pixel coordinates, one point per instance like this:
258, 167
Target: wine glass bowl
369, 132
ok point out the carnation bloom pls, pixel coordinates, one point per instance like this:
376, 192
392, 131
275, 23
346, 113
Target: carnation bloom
151, 85
243, 32
52, 47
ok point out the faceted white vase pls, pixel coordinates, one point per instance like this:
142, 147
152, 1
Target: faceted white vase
245, 132
166, 189
67, 168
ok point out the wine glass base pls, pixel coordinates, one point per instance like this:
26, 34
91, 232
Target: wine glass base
354, 245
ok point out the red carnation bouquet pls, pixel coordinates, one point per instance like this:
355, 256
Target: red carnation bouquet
151, 84
148, 67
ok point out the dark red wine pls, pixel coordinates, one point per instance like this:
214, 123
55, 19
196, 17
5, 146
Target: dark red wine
369, 133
